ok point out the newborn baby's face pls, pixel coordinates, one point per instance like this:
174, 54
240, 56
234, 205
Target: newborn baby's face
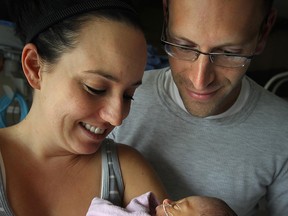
195, 206
169, 208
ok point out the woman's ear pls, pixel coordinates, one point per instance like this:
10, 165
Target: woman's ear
266, 31
31, 65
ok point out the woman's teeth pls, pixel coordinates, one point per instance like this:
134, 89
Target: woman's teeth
93, 129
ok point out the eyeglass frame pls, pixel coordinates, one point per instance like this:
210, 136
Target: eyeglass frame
211, 55
198, 52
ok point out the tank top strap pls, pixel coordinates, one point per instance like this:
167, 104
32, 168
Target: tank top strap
112, 182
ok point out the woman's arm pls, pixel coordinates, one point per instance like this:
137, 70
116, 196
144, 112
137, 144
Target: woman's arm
138, 175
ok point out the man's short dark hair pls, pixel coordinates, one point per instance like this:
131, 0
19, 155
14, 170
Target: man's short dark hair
267, 5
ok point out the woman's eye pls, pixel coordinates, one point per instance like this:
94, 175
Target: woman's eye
94, 91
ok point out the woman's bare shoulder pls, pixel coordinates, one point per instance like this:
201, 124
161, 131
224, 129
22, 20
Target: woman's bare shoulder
138, 174
130, 156
5, 136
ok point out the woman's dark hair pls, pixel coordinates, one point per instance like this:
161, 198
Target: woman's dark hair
54, 25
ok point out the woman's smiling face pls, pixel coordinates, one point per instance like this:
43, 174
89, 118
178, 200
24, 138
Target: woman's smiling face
89, 90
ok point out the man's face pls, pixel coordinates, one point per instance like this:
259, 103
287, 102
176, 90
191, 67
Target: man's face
212, 26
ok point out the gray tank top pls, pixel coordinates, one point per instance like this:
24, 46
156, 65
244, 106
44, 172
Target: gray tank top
112, 183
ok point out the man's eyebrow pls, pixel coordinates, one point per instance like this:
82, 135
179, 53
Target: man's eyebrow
183, 39
190, 42
227, 44
109, 76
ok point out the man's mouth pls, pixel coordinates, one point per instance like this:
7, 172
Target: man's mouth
93, 129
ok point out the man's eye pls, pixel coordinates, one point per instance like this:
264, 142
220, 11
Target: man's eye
181, 49
94, 91
128, 97
233, 52
184, 49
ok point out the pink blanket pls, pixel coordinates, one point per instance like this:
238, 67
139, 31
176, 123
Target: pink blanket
143, 205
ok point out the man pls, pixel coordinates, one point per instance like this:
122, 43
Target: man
205, 126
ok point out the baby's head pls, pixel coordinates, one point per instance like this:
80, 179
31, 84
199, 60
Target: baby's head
192, 206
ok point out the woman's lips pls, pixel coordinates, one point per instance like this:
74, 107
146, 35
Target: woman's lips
93, 129
95, 133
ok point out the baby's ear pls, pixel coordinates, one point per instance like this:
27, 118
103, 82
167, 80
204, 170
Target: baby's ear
167, 202
31, 65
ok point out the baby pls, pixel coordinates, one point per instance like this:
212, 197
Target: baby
194, 206
147, 205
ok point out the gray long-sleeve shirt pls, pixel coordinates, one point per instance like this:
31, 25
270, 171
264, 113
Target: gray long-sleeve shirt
239, 158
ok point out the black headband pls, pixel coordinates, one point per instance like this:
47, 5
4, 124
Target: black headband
78, 8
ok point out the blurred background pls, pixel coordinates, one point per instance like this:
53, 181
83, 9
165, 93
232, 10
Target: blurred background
272, 62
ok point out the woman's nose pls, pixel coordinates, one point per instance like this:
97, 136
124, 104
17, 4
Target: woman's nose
113, 112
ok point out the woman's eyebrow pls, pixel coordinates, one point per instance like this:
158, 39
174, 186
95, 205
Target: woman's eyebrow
109, 76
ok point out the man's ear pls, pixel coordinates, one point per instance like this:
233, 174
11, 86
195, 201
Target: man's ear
266, 31
31, 65
165, 7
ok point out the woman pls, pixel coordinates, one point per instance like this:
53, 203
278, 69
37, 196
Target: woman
84, 60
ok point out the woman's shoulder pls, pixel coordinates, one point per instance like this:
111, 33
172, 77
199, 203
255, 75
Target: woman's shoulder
125, 152
10, 138
4, 136
135, 169
129, 158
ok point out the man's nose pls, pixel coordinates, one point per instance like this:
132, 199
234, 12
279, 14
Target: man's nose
202, 74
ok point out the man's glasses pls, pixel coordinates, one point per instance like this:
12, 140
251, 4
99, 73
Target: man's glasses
187, 53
